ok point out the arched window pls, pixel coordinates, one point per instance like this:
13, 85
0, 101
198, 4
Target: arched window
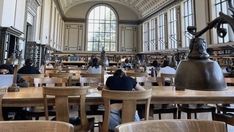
102, 29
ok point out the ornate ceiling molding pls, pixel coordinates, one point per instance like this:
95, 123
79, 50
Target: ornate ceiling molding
142, 8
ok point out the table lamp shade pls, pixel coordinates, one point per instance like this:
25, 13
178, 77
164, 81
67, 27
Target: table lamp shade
198, 72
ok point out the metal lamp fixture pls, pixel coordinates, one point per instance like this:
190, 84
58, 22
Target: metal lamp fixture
198, 72
14, 62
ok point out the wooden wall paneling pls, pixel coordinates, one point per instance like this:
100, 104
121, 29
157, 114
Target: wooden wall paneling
178, 27
66, 40
81, 37
129, 38
74, 37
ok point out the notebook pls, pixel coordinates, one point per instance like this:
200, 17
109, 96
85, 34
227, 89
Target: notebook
6, 81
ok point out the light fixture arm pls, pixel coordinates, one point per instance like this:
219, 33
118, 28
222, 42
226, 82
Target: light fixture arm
217, 23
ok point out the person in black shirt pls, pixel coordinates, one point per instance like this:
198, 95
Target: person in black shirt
28, 68
124, 83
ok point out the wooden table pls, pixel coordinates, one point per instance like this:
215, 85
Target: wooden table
160, 95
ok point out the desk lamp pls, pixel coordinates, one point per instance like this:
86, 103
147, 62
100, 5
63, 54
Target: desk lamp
14, 87
198, 72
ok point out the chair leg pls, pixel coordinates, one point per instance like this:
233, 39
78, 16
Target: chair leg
100, 126
175, 115
195, 115
179, 114
159, 116
188, 115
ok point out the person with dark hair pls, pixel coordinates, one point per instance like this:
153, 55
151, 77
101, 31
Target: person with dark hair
94, 68
155, 63
6, 69
28, 68
127, 64
124, 83
155, 66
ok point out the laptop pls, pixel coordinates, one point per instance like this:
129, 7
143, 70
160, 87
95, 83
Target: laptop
6, 81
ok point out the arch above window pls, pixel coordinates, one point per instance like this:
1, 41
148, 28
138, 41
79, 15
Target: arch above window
102, 28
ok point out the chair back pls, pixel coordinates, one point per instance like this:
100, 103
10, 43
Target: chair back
170, 76
150, 80
136, 74
30, 77
141, 80
111, 70
229, 80
90, 79
50, 71
129, 99
66, 77
35, 126
38, 82
61, 102
1, 117
173, 126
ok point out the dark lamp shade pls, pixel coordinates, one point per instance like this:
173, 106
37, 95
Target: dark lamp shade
199, 75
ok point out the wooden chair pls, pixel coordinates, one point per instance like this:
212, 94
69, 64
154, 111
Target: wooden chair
226, 116
172, 126
90, 79
170, 76
93, 80
1, 116
111, 70
196, 108
165, 108
55, 81
62, 106
67, 77
38, 112
224, 108
35, 126
136, 74
30, 78
50, 71
129, 99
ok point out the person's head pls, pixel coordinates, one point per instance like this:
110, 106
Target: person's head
6, 69
28, 62
95, 62
165, 63
119, 73
126, 61
155, 63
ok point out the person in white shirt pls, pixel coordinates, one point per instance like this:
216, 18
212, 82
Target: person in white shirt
166, 69
94, 68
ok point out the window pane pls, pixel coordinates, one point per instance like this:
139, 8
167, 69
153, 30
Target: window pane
221, 6
102, 29
188, 20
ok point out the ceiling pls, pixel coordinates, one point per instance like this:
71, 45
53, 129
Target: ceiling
142, 8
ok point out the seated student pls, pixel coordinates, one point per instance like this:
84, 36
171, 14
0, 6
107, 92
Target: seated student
120, 82
28, 68
127, 64
20, 113
94, 68
166, 69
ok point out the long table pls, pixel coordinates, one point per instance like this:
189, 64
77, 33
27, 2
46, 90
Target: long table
160, 95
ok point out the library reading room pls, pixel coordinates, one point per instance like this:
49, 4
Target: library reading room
116, 65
